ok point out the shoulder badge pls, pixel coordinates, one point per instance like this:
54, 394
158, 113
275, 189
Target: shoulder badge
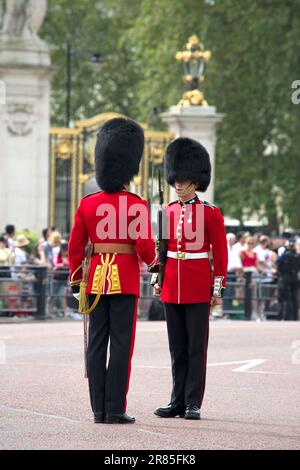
209, 204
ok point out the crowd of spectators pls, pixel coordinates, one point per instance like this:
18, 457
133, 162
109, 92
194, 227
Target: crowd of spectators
51, 250
18, 254
274, 264
262, 256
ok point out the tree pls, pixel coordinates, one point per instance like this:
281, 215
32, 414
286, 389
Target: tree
90, 26
255, 58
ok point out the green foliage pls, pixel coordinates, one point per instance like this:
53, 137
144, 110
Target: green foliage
31, 236
255, 58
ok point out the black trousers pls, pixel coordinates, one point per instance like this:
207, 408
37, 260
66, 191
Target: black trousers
188, 328
288, 299
229, 292
114, 319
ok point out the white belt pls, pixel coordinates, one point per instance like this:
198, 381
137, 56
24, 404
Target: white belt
184, 255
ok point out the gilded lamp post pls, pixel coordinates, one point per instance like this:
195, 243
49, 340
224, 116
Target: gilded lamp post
194, 59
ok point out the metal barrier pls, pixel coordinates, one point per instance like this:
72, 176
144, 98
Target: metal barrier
249, 297
37, 291
44, 293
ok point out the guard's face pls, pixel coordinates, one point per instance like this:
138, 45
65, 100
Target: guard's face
185, 188
182, 185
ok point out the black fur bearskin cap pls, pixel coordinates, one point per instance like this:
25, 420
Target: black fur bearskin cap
187, 159
118, 152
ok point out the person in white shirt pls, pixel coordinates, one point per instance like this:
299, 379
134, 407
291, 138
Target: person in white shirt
266, 259
20, 254
234, 271
234, 260
241, 242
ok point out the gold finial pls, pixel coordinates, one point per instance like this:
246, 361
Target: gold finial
64, 150
194, 59
83, 178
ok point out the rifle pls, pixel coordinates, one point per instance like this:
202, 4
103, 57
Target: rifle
161, 243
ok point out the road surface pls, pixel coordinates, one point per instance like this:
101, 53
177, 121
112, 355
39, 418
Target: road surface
252, 398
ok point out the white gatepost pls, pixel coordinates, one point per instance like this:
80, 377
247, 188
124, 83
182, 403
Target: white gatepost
199, 123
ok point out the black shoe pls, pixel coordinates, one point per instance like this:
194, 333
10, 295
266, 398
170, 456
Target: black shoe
98, 417
192, 412
119, 419
170, 411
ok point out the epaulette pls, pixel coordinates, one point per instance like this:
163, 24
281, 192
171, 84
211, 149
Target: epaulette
209, 204
91, 194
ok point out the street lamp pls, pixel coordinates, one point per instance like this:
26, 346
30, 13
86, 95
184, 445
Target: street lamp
194, 59
95, 58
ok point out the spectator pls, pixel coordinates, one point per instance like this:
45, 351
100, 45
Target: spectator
234, 260
61, 273
9, 235
38, 256
62, 257
241, 240
46, 246
21, 250
23, 274
55, 241
266, 259
288, 282
234, 271
249, 257
5, 258
250, 264
5, 253
267, 267
286, 236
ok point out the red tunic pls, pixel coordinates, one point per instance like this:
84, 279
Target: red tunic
194, 227
121, 217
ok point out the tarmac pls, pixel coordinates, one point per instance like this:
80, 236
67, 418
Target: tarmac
252, 398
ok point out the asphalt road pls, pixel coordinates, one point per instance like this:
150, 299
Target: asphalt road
252, 398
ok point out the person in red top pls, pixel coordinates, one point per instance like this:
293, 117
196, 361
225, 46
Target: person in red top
249, 257
190, 285
116, 223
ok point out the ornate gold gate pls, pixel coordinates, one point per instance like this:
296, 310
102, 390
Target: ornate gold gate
72, 167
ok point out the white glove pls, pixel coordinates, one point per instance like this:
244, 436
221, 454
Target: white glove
76, 296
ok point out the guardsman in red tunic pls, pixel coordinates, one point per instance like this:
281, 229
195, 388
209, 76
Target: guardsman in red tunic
115, 224
190, 284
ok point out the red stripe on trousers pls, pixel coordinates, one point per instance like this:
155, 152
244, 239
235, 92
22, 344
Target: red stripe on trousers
204, 358
131, 350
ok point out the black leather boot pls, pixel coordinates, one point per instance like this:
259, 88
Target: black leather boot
119, 419
192, 412
170, 411
99, 418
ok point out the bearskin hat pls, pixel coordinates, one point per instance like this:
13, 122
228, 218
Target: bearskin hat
118, 152
187, 159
